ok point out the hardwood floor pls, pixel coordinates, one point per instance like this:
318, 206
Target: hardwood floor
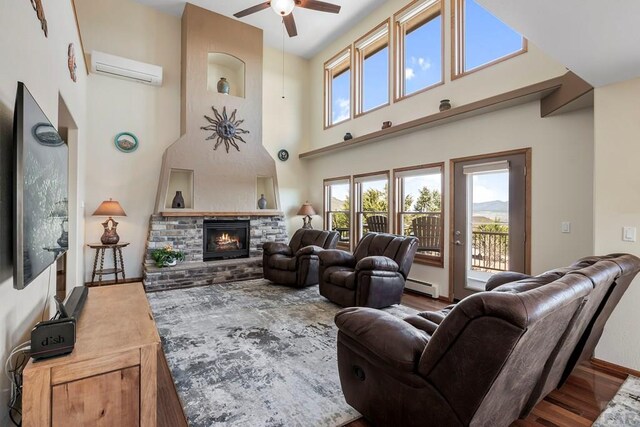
577, 403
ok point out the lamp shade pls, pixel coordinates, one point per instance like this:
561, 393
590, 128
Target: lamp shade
306, 209
109, 208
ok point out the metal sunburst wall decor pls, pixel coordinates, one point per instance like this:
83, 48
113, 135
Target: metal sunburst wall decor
225, 129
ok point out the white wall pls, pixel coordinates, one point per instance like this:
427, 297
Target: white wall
285, 126
562, 167
617, 204
131, 30
528, 68
41, 63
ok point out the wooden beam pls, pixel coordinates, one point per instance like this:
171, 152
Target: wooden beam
573, 88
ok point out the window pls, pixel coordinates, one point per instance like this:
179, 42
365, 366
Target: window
337, 208
419, 47
480, 39
372, 203
372, 69
337, 82
419, 209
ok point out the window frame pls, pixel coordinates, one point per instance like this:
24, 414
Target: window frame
357, 205
458, 44
359, 58
398, 211
326, 204
400, 31
329, 72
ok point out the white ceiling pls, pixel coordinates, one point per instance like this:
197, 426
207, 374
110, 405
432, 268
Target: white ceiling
598, 40
315, 29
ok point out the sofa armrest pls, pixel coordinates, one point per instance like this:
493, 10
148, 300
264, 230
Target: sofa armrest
272, 248
421, 323
310, 250
500, 279
331, 257
377, 263
390, 339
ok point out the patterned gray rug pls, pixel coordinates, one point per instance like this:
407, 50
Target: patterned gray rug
624, 408
254, 354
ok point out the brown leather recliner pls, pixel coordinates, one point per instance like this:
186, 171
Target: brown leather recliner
610, 276
374, 276
478, 368
297, 263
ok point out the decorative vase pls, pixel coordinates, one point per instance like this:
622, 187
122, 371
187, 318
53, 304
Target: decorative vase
348, 136
178, 201
445, 105
386, 125
262, 202
223, 86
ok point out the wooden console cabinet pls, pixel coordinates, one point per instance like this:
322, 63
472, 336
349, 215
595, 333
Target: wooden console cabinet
116, 374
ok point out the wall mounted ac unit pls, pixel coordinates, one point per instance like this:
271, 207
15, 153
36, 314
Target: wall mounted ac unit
123, 68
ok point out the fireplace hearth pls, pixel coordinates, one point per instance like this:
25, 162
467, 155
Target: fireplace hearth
225, 239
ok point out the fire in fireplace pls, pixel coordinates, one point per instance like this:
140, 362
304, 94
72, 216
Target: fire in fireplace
225, 239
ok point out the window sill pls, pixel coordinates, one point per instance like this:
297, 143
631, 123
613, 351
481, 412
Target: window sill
427, 260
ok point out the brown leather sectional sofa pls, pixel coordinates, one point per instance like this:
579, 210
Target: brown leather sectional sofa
487, 360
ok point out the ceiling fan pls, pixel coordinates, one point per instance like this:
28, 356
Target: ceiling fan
285, 8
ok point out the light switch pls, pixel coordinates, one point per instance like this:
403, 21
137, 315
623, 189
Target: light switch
566, 227
628, 234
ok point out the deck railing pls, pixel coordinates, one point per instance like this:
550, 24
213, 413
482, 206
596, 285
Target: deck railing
490, 251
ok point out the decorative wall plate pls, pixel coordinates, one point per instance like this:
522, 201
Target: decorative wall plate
71, 62
126, 142
283, 155
225, 129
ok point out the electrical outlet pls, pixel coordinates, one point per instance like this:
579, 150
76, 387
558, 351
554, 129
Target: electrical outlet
565, 227
628, 234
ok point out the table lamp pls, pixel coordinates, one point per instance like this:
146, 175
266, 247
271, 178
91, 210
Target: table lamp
109, 208
307, 210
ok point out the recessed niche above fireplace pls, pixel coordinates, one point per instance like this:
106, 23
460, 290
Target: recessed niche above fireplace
225, 239
222, 65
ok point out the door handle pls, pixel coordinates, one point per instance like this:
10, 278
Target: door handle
458, 243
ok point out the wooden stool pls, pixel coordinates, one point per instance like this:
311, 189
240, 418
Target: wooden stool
118, 262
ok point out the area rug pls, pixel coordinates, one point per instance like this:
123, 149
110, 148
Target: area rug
254, 354
624, 408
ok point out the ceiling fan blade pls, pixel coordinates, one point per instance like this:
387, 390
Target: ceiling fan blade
253, 9
290, 25
319, 5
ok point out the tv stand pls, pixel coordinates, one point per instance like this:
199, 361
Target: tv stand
116, 374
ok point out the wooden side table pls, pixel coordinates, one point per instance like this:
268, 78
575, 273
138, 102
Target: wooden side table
118, 261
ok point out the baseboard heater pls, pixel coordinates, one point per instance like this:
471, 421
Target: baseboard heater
423, 287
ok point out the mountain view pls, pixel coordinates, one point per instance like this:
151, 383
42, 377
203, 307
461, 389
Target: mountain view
488, 212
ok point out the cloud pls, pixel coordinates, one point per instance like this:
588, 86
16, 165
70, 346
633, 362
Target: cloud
409, 73
343, 112
425, 64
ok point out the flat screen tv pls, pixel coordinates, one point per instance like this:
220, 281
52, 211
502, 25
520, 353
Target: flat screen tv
41, 172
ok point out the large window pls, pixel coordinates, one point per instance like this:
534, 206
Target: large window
372, 69
419, 209
419, 46
337, 81
480, 39
372, 203
337, 208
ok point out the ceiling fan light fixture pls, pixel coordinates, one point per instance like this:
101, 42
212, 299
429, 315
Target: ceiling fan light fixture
283, 7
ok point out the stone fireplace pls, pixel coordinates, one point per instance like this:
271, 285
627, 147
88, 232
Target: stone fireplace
186, 233
217, 222
225, 239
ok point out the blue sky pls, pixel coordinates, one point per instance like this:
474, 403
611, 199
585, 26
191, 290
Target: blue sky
486, 39
488, 187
